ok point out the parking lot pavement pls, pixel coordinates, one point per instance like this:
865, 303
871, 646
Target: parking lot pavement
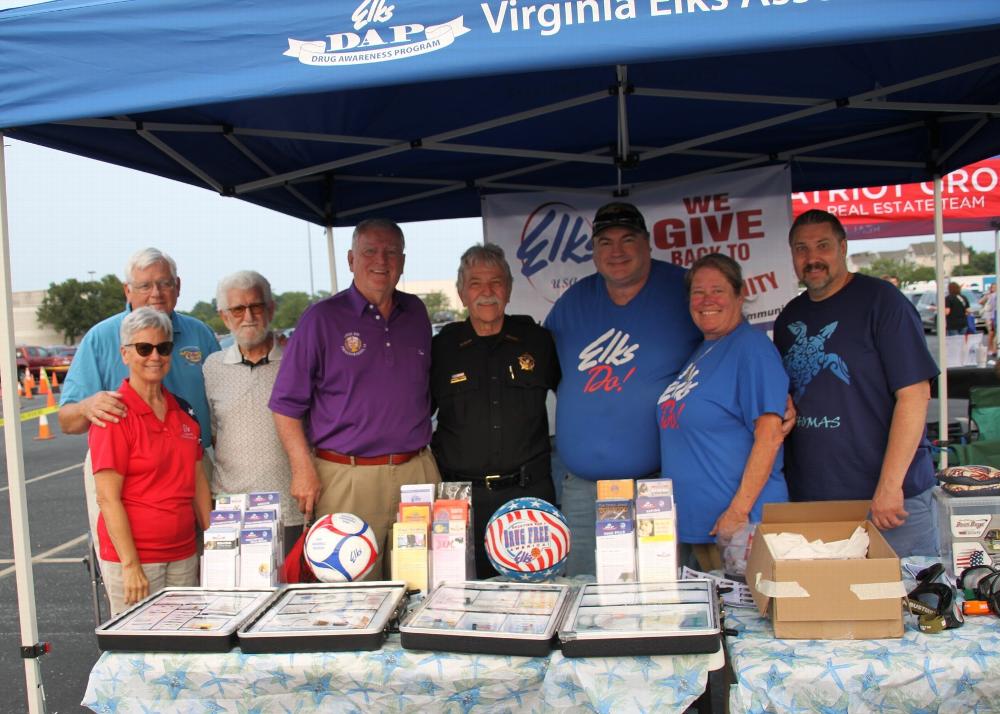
58, 527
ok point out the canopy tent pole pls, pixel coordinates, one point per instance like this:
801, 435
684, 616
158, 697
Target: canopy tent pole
332, 256
941, 331
15, 465
996, 277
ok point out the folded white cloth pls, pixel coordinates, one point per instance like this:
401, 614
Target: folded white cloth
794, 546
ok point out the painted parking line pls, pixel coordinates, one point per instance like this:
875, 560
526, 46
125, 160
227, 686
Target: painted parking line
42, 557
50, 474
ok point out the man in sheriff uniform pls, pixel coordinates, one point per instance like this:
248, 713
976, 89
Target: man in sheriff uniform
489, 379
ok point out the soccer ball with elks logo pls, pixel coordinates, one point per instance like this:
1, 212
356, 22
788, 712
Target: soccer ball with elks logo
340, 548
527, 539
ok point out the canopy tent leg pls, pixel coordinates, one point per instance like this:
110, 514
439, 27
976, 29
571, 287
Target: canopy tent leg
332, 257
15, 464
941, 331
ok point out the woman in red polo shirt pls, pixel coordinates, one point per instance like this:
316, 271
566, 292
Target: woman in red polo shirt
148, 472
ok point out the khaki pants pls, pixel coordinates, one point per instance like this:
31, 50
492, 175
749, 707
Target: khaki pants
178, 573
372, 494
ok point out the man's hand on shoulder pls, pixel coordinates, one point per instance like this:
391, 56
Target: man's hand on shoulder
103, 407
100, 409
887, 508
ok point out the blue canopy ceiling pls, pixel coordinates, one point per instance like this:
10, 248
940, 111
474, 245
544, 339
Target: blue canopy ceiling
332, 110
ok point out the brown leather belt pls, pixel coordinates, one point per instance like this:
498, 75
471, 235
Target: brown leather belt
383, 460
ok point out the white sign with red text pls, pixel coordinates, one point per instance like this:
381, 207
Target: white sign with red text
743, 214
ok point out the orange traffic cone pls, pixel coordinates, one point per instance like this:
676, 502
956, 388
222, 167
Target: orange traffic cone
50, 399
20, 390
29, 380
55, 380
27, 389
43, 383
43, 429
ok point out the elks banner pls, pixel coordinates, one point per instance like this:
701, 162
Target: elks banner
970, 200
744, 214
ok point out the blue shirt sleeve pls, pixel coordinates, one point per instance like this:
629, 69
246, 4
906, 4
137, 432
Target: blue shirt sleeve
762, 383
899, 339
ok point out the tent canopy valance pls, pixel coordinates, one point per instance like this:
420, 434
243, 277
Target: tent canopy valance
334, 111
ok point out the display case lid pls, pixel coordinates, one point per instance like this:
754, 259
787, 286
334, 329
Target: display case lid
681, 608
492, 610
328, 609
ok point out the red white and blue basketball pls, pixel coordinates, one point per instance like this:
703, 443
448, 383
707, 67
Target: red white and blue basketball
340, 548
527, 539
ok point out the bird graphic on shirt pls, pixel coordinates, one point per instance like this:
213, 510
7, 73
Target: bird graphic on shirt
807, 357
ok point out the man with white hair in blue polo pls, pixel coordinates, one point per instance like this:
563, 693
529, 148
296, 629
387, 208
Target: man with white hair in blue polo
90, 393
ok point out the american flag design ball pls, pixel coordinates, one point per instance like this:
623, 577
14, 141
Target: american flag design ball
340, 548
527, 539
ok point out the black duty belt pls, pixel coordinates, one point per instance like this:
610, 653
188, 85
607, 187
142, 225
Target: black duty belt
523, 477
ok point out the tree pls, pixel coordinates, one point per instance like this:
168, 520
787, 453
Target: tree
906, 271
977, 264
208, 313
289, 308
73, 307
438, 306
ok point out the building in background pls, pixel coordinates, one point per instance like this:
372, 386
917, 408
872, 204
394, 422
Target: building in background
27, 330
921, 254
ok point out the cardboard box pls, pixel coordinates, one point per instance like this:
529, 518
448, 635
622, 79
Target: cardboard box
826, 599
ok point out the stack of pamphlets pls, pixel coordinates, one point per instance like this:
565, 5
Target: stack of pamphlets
615, 531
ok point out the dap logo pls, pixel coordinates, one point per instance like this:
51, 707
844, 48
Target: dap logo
554, 241
364, 43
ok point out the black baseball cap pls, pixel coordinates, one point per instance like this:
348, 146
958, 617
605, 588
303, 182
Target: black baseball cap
624, 215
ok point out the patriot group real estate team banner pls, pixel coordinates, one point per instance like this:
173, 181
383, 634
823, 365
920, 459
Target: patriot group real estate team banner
743, 214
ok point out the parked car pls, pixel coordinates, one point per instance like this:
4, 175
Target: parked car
927, 307
34, 358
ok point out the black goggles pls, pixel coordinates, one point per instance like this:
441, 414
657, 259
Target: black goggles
145, 349
934, 601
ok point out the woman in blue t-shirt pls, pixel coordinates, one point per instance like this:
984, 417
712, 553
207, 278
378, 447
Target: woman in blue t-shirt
720, 420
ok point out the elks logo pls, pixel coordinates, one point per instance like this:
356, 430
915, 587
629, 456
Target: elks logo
603, 357
191, 354
555, 239
669, 404
353, 344
187, 432
365, 46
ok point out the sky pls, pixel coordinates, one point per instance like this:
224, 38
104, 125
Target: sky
72, 217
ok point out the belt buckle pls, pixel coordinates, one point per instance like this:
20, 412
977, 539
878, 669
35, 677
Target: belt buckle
491, 479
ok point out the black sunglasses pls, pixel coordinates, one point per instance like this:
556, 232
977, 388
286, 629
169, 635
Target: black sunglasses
145, 349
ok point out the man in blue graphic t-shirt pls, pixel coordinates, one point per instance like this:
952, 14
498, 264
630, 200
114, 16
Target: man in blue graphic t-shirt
859, 372
622, 335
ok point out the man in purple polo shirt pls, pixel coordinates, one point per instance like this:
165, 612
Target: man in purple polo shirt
352, 400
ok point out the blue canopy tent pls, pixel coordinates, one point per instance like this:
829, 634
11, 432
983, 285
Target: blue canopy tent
333, 111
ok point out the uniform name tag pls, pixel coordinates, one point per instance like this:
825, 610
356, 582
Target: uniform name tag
459, 377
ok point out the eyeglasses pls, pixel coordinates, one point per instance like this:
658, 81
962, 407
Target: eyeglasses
163, 285
145, 349
238, 311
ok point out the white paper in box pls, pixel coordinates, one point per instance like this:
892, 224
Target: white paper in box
417, 493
